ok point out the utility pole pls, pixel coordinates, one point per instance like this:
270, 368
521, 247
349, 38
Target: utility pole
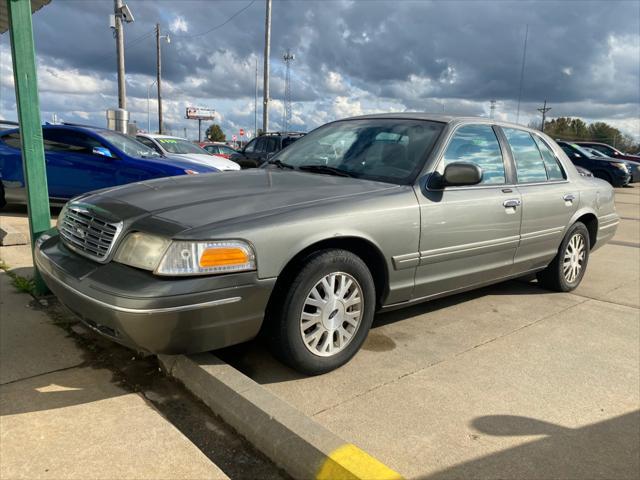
122, 94
524, 59
159, 77
544, 111
255, 104
267, 50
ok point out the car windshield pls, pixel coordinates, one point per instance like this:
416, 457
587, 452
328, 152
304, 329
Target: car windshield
387, 150
180, 146
128, 145
582, 151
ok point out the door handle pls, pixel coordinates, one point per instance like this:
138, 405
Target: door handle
569, 197
513, 203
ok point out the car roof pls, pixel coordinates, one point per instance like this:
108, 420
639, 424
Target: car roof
157, 135
442, 118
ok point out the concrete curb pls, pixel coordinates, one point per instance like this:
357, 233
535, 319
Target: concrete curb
295, 442
10, 236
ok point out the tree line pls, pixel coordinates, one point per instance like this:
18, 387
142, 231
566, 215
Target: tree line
567, 128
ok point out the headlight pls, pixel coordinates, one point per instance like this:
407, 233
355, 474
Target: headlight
209, 257
621, 166
142, 250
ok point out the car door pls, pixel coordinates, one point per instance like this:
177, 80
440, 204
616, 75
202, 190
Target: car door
549, 200
73, 165
468, 234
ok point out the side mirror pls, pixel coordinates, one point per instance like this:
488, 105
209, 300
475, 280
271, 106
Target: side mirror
270, 155
461, 173
102, 152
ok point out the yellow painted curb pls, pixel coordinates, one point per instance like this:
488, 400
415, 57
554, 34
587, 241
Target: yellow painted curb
350, 463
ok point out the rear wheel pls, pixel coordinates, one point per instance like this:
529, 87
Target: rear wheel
324, 314
566, 270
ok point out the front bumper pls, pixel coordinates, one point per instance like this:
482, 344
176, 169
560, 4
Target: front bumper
152, 314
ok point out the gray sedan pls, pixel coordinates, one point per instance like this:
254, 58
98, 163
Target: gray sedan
360, 215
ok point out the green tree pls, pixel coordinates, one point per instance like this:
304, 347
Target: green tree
215, 134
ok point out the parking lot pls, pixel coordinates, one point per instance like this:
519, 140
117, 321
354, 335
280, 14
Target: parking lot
507, 381
510, 381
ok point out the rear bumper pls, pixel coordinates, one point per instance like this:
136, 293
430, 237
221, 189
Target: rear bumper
151, 314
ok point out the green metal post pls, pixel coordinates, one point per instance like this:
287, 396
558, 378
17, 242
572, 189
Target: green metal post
26, 86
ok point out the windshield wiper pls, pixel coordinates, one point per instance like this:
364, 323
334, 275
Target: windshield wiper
325, 169
280, 164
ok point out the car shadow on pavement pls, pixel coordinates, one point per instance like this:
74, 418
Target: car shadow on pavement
510, 287
605, 450
254, 359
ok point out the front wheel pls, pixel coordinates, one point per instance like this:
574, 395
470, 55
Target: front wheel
566, 270
325, 313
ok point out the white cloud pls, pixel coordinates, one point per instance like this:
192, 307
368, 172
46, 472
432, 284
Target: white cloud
179, 24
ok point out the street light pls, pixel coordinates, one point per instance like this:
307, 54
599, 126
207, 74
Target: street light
148, 108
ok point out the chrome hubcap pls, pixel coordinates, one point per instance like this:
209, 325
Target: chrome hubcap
573, 258
331, 314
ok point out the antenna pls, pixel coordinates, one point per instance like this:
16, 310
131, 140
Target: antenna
288, 58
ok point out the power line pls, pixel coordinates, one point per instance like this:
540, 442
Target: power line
220, 25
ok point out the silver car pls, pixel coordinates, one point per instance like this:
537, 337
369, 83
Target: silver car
361, 215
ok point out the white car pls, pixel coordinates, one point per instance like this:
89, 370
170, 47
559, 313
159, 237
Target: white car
169, 146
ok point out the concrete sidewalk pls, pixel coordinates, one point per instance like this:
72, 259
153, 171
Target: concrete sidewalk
62, 418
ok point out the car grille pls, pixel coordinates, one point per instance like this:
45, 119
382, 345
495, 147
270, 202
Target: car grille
87, 234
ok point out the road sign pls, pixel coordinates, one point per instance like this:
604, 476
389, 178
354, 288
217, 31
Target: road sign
242, 132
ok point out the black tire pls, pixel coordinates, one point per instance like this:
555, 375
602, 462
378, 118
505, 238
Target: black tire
284, 330
553, 277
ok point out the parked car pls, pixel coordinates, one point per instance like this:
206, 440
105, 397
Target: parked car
613, 171
170, 146
217, 148
634, 168
407, 208
80, 159
260, 149
609, 151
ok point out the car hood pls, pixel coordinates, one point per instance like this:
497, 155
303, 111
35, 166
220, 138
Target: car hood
214, 161
193, 201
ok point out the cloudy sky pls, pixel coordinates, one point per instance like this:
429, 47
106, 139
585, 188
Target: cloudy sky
351, 57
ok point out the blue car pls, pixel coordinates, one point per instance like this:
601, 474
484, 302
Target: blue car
80, 159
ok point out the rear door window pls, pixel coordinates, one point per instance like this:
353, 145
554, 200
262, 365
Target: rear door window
272, 145
551, 163
477, 144
530, 166
260, 144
